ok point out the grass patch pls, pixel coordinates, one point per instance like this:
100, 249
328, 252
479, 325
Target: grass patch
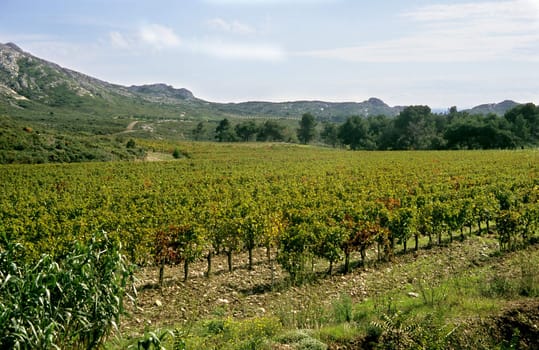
339, 333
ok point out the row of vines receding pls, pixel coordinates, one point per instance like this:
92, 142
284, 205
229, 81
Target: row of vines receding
301, 207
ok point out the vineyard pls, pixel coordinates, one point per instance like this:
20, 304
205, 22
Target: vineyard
305, 212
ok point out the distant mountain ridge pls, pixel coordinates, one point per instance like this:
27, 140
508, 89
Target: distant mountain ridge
162, 92
336, 111
26, 77
494, 108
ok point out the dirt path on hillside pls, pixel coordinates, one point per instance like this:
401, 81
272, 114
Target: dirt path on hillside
131, 126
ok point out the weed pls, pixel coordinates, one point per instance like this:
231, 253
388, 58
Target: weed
152, 340
311, 313
342, 309
431, 294
214, 327
397, 332
341, 333
384, 303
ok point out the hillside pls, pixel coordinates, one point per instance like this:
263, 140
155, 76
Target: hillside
25, 79
24, 76
31, 84
333, 111
494, 108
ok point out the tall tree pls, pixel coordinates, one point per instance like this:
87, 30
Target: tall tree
330, 134
247, 131
224, 131
379, 127
355, 133
524, 121
271, 131
416, 128
307, 128
198, 131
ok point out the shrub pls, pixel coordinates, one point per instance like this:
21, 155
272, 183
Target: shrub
71, 303
177, 153
301, 339
310, 344
131, 144
292, 337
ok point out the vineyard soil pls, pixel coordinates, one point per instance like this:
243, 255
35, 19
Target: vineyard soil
244, 294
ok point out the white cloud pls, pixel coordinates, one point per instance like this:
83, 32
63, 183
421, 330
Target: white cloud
159, 36
235, 27
118, 40
487, 31
240, 51
508, 9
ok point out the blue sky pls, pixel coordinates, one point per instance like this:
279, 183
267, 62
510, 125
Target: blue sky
440, 53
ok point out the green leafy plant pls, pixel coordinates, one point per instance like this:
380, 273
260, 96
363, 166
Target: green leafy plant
153, 340
72, 302
397, 331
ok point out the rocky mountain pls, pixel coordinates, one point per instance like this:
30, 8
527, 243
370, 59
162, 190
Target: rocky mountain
26, 77
162, 92
494, 108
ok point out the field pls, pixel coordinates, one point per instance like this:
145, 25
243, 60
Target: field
297, 247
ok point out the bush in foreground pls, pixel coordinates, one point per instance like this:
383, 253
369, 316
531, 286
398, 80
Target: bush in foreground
73, 302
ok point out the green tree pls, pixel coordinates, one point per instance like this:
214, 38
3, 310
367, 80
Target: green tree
297, 244
307, 128
247, 131
480, 132
271, 131
248, 226
524, 120
294, 250
379, 126
415, 127
330, 134
224, 131
190, 245
355, 133
198, 131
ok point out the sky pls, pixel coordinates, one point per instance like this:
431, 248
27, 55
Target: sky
407, 52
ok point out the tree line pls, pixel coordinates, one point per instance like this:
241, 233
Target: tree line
415, 128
